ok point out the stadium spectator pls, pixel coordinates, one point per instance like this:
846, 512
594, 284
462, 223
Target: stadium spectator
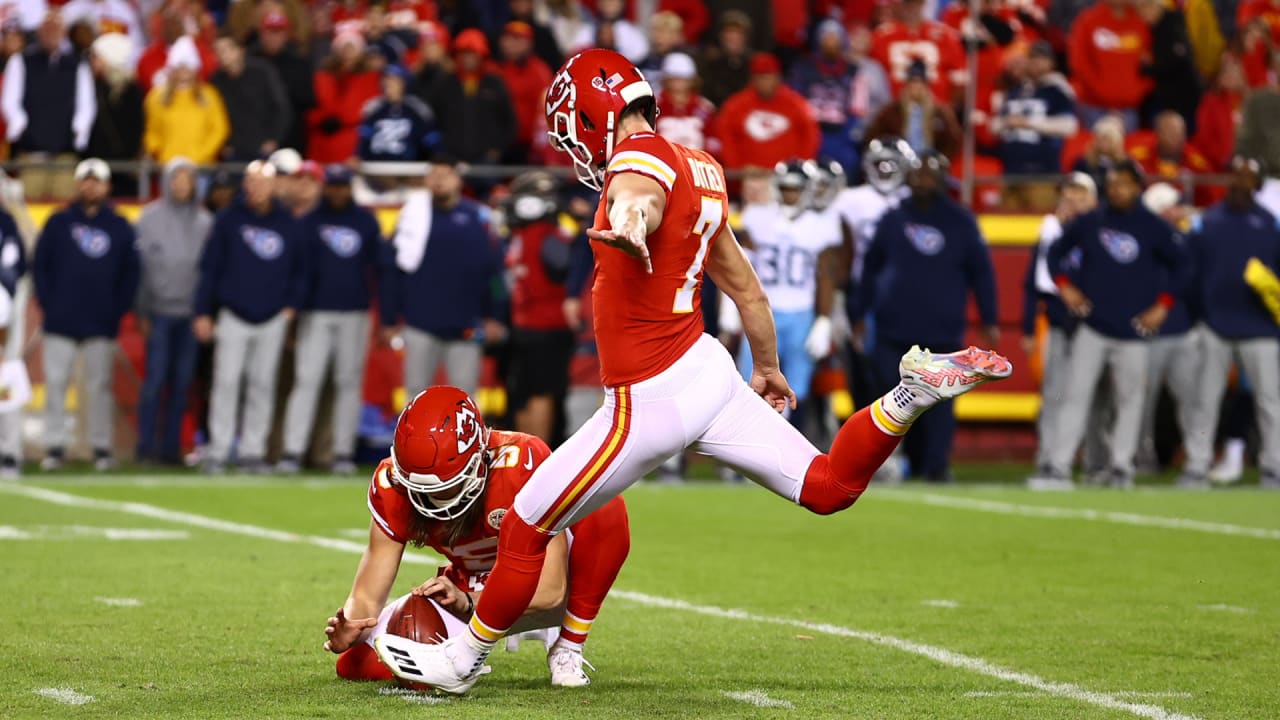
1104, 151
684, 116
1220, 113
174, 20
257, 104
387, 45
537, 261
695, 19
1172, 66
828, 82
993, 34
12, 40
870, 82
107, 16
26, 14
628, 39
221, 192
665, 37
86, 279
1108, 43
544, 42
184, 116
246, 16
1079, 195
251, 271
1208, 44
790, 21
1259, 134
343, 85
526, 78
171, 236
439, 286
767, 122
1236, 323
917, 117
81, 35
118, 124
304, 195
273, 46
49, 106
1036, 112
567, 18
910, 38
1258, 25
343, 246
724, 66
474, 109
1168, 155
931, 241
1125, 280
433, 63
396, 126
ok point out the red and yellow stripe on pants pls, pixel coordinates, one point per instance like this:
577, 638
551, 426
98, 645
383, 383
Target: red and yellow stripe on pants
614, 441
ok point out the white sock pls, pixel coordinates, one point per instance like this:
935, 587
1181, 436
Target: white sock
568, 645
902, 406
469, 655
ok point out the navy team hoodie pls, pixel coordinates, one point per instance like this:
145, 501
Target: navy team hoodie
1222, 241
342, 251
86, 272
919, 269
252, 264
1128, 261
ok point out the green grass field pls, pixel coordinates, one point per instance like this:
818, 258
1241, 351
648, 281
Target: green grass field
968, 602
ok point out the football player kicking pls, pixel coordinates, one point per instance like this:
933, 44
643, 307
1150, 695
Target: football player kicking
447, 485
660, 223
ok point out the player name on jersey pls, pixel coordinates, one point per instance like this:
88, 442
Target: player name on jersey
706, 176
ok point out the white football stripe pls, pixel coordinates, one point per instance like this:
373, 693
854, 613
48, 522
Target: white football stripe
413, 696
1219, 607
66, 696
82, 532
119, 602
1109, 516
1034, 693
949, 604
758, 699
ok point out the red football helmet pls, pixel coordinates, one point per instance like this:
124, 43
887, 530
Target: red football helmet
441, 445
583, 105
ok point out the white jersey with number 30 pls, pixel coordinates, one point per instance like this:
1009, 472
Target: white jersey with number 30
785, 252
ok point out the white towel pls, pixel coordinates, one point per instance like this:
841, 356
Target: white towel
412, 230
1050, 231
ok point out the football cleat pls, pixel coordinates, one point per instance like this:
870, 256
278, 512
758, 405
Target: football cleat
943, 377
566, 667
426, 664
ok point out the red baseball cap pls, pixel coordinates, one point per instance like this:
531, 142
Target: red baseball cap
432, 31
763, 63
472, 40
311, 169
275, 20
518, 28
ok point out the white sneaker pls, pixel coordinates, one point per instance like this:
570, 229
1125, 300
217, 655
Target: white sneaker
1231, 467
566, 667
943, 377
51, 463
427, 664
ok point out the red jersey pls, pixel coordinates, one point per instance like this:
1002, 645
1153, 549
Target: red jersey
895, 46
643, 322
515, 455
537, 301
690, 124
1107, 52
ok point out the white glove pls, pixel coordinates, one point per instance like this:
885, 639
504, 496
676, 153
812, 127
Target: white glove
818, 344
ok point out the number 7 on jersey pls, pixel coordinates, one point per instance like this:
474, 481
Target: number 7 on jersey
706, 228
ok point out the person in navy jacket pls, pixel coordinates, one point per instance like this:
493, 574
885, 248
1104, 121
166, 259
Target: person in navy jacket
86, 272
442, 280
1130, 272
252, 277
927, 255
343, 246
1234, 320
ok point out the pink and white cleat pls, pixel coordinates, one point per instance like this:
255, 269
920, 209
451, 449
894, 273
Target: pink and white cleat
943, 377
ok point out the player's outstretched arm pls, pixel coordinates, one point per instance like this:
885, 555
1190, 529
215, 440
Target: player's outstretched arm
634, 205
733, 274
374, 578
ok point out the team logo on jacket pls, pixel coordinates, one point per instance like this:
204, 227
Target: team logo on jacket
763, 126
1122, 246
266, 244
495, 517
343, 241
92, 242
926, 238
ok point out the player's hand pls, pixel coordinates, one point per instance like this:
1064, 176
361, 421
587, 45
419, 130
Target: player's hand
1148, 322
818, 342
772, 386
629, 237
344, 632
202, 328
573, 313
289, 314
445, 593
1075, 300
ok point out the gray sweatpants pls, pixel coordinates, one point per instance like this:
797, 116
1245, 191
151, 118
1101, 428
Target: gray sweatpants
322, 336
243, 351
1091, 355
423, 353
1175, 361
1054, 387
1260, 359
59, 359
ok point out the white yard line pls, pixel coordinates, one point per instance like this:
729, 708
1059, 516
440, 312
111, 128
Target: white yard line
1034, 693
948, 604
759, 699
413, 696
1120, 518
1219, 607
119, 602
66, 696
83, 532
936, 654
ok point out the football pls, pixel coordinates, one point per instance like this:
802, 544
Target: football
418, 620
